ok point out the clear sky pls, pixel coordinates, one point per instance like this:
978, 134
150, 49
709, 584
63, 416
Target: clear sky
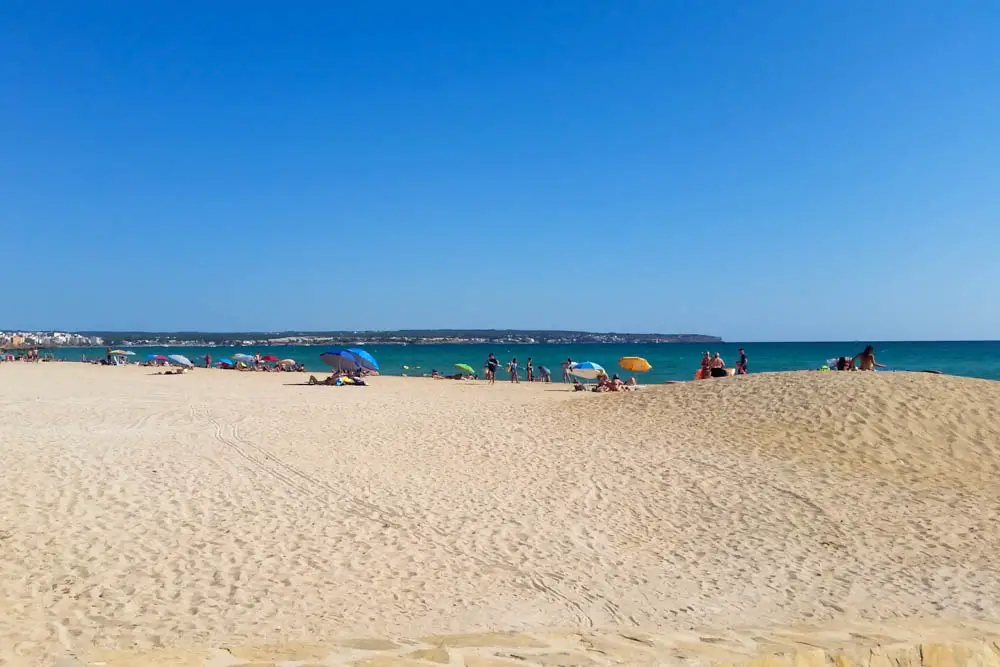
767, 170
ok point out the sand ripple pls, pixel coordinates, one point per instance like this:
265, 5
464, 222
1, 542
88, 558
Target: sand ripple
144, 511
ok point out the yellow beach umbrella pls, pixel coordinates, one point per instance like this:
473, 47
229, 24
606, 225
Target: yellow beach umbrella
634, 364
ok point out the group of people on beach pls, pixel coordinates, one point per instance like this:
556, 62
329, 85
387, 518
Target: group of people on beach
532, 372
863, 361
714, 366
605, 383
259, 363
24, 355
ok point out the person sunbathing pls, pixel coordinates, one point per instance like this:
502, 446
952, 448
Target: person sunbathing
617, 384
866, 360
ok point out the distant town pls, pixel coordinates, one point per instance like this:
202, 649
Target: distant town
22, 340
42, 339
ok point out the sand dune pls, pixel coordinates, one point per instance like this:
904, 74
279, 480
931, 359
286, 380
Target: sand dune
140, 510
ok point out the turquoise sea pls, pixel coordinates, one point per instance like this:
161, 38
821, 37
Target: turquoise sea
670, 361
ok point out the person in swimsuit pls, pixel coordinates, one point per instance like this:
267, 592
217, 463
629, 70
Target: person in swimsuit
741, 365
706, 365
717, 366
529, 374
512, 367
566, 366
492, 364
866, 360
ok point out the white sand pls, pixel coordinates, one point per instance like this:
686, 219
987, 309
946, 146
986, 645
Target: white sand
140, 510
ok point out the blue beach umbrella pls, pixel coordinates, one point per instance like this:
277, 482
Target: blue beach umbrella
367, 360
245, 358
226, 361
341, 360
587, 370
180, 360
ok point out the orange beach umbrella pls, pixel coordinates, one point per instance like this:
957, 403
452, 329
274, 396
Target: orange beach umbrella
634, 364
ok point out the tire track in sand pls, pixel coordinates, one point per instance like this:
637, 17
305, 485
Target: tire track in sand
549, 584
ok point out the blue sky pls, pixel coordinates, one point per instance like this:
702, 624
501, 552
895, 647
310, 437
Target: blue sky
773, 170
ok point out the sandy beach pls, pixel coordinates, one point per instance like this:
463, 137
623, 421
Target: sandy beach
139, 510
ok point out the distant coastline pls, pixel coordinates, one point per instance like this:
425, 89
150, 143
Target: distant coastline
398, 337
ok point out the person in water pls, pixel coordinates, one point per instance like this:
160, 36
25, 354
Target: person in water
866, 360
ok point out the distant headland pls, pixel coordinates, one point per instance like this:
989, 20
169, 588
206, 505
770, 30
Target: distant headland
398, 337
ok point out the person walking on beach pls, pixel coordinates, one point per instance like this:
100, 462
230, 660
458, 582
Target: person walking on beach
512, 367
741, 365
492, 364
529, 375
566, 367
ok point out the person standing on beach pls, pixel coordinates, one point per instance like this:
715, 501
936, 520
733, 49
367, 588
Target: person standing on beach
706, 366
529, 375
208, 360
566, 367
741, 365
492, 364
512, 367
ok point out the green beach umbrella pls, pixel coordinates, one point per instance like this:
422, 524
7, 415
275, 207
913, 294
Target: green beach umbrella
465, 367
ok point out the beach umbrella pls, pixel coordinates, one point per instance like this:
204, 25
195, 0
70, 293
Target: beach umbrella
634, 364
156, 357
341, 360
226, 361
367, 361
465, 367
180, 360
127, 353
587, 370
287, 362
269, 357
246, 358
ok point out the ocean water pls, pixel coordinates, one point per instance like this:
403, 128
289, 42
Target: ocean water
670, 361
